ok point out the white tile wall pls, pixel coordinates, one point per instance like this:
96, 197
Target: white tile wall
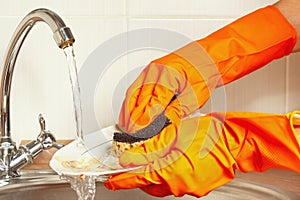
191, 28
194, 8
65, 8
262, 91
293, 83
41, 81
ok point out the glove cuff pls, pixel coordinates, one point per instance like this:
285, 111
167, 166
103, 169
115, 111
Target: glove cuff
250, 43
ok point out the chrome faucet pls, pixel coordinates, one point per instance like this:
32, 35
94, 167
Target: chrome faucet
12, 159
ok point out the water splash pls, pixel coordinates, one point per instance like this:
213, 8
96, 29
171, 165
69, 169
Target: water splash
85, 186
69, 52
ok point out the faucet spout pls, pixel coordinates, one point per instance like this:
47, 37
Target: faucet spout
63, 38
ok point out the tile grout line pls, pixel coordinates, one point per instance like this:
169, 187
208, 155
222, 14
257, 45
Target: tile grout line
127, 29
287, 72
204, 17
158, 17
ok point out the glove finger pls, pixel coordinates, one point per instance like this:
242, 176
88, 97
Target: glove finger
158, 190
148, 96
200, 77
153, 149
163, 172
134, 179
175, 136
152, 174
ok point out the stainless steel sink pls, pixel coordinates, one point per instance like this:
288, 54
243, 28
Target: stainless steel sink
46, 185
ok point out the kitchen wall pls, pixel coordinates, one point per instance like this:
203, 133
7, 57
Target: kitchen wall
41, 83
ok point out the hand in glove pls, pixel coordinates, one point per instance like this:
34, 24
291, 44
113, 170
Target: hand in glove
203, 153
194, 71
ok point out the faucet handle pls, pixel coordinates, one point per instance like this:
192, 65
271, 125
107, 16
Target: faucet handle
45, 137
28, 152
42, 122
57, 145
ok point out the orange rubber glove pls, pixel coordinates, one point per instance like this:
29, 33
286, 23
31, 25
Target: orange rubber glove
181, 161
195, 70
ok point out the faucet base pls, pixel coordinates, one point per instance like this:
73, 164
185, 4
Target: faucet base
7, 149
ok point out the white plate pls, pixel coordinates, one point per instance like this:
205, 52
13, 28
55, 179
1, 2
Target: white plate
93, 158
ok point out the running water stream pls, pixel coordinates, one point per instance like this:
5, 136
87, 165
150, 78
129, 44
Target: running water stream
69, 52
83, 185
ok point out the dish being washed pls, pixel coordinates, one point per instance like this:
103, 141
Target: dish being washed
93, 157
100, 151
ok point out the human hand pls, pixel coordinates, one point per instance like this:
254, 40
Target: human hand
192, 72
175, 163
201, 154
173, 84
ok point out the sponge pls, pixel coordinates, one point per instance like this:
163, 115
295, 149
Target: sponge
123, 141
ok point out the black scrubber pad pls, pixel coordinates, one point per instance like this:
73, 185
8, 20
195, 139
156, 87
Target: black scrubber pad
148, 132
